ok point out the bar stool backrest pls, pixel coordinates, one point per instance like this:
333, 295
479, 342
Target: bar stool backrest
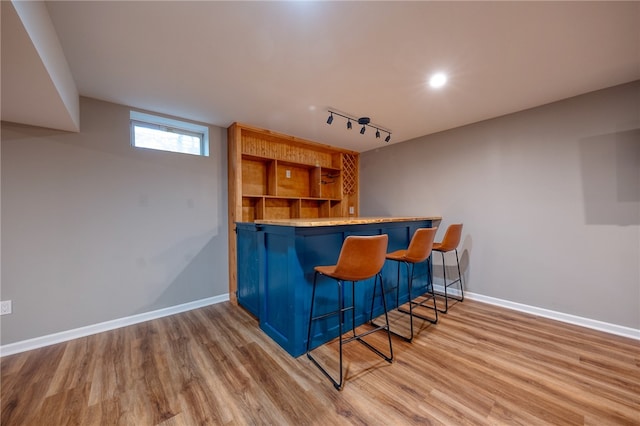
421, 244
451, 238
361, 257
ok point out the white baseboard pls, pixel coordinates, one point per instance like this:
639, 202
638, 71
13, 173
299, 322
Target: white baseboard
558, 316
63, 336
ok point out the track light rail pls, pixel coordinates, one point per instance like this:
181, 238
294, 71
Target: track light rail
361, 121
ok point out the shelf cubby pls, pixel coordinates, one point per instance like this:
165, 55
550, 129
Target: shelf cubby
294, 180
252, 208
312, 208
281, 208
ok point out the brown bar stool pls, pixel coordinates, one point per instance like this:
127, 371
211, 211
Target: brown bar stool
361, 258
418, 251
449, 243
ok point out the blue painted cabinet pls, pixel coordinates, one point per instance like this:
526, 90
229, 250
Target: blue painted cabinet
275, 276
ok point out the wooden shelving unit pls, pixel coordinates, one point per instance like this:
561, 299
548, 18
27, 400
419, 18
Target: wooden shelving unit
277, 176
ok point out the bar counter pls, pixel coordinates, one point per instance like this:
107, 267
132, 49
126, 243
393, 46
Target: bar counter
335, 221
275, 273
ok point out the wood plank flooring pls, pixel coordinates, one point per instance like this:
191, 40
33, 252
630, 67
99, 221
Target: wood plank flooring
480, 365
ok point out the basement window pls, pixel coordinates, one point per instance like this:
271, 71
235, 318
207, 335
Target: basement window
166, 134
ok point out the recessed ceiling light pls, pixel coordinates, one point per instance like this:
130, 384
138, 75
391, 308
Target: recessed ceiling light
438, 80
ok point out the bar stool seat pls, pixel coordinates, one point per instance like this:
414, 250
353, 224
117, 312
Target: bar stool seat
450, 243
419, 251
361, 258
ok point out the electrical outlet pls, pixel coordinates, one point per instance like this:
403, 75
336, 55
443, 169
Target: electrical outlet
287, 174
5, 307
351, 210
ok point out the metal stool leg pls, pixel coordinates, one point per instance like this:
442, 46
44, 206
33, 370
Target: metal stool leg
410, 285
433, 290
339, 312
341, 307
398, 306
386, 318
445, 285
421, 303
313, 298
410, 274
381, 327
397, 288
460, 277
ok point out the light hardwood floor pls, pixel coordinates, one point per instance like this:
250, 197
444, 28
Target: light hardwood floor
480, 365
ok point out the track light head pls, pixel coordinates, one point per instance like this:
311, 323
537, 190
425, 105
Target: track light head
362, 130
349, 125
377, 133
330, 119
388, 138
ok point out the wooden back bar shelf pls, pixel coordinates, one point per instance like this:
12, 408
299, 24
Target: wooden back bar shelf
277, 176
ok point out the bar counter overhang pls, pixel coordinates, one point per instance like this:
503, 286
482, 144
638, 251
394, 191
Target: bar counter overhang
275, 273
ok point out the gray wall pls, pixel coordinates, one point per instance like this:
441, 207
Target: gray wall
95, 230
549, 198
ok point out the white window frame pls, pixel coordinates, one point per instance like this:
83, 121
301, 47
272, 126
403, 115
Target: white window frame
170, 125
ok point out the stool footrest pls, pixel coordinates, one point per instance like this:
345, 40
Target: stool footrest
448, 296
453, 282
366, 333
431, 320
332, 313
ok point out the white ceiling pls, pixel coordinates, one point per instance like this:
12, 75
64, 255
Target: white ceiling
281, 65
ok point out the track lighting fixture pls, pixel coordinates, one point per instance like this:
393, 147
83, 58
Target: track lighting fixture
362, 121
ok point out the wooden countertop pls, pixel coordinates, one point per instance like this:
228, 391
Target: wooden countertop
335, 221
